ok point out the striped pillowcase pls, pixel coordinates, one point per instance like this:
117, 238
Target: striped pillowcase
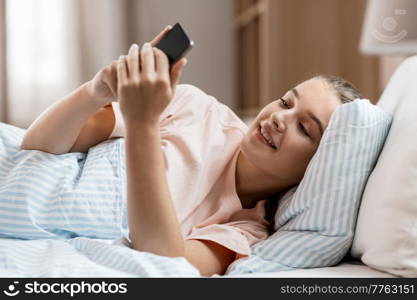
43, 195
315, 221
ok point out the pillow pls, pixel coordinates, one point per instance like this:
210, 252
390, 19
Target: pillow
315, 221
43, 195
386, 234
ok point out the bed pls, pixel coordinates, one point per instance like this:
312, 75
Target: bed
83, 257
55, 254
31, 246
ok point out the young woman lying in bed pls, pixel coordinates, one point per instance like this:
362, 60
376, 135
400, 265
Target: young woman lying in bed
212, 212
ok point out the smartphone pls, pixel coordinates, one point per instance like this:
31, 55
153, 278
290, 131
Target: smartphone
175, 44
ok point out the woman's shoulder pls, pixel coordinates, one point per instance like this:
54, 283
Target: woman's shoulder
196, 98
188, 98
188, 90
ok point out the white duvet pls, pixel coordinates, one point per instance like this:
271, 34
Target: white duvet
64, 216
84, 257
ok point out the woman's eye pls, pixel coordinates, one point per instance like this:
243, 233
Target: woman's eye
285, 103
303, 130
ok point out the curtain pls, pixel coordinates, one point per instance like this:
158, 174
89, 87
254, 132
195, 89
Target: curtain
106, 29
55, 46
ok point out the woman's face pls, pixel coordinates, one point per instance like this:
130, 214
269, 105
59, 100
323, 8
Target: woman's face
294, 125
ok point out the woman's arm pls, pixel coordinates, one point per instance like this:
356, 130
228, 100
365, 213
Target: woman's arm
152, 219
143, 95
72, 124
81, 119
96, 130
153, 224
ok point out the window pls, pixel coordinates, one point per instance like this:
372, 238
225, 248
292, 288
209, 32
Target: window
37, 56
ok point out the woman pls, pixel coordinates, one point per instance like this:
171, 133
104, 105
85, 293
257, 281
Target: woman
218, 213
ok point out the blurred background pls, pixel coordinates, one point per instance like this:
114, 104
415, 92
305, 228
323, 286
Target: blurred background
247, 52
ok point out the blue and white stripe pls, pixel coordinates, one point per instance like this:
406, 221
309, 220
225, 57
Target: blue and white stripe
316, 221
84, 257
43, 195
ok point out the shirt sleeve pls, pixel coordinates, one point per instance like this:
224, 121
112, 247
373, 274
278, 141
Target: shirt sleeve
174, 106
237, 236
119, 126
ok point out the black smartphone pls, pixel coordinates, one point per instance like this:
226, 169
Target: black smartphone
175, 44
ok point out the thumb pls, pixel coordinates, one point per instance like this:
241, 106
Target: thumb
111, 83
176, 71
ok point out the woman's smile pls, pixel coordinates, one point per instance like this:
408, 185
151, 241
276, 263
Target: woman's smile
263, 139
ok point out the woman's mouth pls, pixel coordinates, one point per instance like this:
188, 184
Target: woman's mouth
264, 139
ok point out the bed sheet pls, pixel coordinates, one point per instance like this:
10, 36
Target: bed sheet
350, 269
53, 255
85, 257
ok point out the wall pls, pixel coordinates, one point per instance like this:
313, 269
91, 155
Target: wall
210, 24
301, 39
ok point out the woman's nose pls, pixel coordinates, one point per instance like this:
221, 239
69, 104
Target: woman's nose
279, 122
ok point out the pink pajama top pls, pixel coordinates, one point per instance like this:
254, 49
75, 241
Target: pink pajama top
200, 140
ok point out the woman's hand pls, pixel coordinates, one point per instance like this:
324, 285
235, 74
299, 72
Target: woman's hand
145, 84
103, 87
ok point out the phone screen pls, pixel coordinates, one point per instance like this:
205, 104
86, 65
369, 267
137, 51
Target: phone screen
175, 44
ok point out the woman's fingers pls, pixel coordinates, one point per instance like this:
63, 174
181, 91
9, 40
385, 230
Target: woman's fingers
147, 60
176, 71
113, 78
160, 35
162, 64
133, 62
121, 71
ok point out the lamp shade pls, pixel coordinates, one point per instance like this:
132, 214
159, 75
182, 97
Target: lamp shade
390, 27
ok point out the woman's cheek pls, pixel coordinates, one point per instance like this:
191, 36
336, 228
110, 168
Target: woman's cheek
299, 148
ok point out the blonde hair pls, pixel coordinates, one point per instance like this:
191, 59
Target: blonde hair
344, 89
